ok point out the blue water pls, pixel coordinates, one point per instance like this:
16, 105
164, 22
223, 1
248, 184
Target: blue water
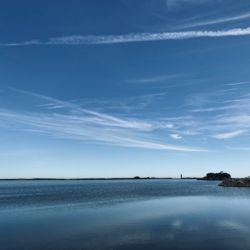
135, 214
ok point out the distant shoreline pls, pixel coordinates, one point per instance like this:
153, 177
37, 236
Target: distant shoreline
96, 179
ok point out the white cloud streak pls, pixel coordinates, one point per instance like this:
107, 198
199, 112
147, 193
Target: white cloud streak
76, 123
71, 120
176, 136
160, 79
173, 4
131, 38
237, 83
85, 129
228, 135
240, 148
218, 21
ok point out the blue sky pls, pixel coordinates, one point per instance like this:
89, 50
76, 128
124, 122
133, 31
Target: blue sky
122, 88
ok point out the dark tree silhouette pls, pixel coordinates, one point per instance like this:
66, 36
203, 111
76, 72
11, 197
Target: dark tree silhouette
137, 177
217, 176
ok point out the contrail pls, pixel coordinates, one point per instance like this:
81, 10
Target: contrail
132, 38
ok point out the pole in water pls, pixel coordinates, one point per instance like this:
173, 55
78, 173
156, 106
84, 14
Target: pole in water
181, 176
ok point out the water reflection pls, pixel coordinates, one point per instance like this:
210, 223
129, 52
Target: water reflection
181, 222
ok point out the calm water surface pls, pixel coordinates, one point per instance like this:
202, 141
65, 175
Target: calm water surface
136, 214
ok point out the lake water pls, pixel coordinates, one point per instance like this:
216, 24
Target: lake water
128, 214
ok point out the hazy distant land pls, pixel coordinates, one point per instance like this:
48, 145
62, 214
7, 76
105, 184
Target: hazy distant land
227, 180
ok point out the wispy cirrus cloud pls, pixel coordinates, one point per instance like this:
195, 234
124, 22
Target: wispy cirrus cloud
159, 79
176, 136
243, 16
133, 104
173, 4
71, 121
131, 38
237, 119
227, 105
238, 83
220, 114
228, 135
239, 148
